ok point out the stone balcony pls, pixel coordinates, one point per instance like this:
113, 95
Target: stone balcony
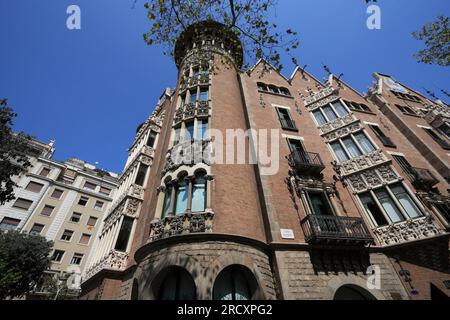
407, 231
192, 110
113, 261
338, 123
364, 162
178, 225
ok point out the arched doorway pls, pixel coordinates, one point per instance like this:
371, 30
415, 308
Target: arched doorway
174, 283
235, 282
352, 292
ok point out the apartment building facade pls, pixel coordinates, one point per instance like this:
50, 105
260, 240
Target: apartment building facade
334, 215
64, 202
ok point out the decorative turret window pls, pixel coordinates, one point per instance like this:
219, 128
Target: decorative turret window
124, 234
151, 139
189, 194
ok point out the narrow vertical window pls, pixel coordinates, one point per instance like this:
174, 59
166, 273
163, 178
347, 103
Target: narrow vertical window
204, 95
181, 197
330, 113
142, 172
372, 209
151, 139
351, 146
339, 151
389, 206
201, 129
406, 202
364, 142
193, 96
199, 194
167, 198
124, 234
319, 117
340, 109
189, 132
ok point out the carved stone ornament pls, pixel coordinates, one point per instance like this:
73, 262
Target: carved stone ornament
178, 225
406, 231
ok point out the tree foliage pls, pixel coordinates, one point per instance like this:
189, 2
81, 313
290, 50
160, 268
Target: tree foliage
248, 19
436, 36
13, 153
23, 260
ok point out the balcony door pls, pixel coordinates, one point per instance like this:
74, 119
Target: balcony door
298, 150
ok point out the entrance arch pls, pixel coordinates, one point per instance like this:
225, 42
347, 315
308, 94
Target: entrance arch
352, 292
235, 282
174, 283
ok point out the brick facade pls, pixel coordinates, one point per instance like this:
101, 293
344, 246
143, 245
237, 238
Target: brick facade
247, 212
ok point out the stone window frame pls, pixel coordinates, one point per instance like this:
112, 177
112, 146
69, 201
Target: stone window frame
188, 174
403, 212
351, 134
330, 104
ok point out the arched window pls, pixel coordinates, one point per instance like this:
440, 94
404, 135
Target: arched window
285, 91
199, 193
351, 292
175, 284
234, 283
262, 86
181, 197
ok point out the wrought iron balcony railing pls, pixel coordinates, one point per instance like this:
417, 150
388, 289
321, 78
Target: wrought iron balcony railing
422, 178
306, 162
320, 229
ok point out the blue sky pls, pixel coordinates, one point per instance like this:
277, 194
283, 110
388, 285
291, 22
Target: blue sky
90, 88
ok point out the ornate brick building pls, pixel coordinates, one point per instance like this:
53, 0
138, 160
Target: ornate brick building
342, 208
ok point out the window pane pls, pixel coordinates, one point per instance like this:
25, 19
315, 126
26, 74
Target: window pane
193, 96
142, 172
199, 194
389, 206
339, 151
352, 148
34, 186
372, 209
177, 136
364, 142
181, 197
47, 210
329, 113
22, 204
189, 132
124, 234
167, 202
201, 129
203, 95
319, 117
9, 223
405, 200
340, 109
319, 204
